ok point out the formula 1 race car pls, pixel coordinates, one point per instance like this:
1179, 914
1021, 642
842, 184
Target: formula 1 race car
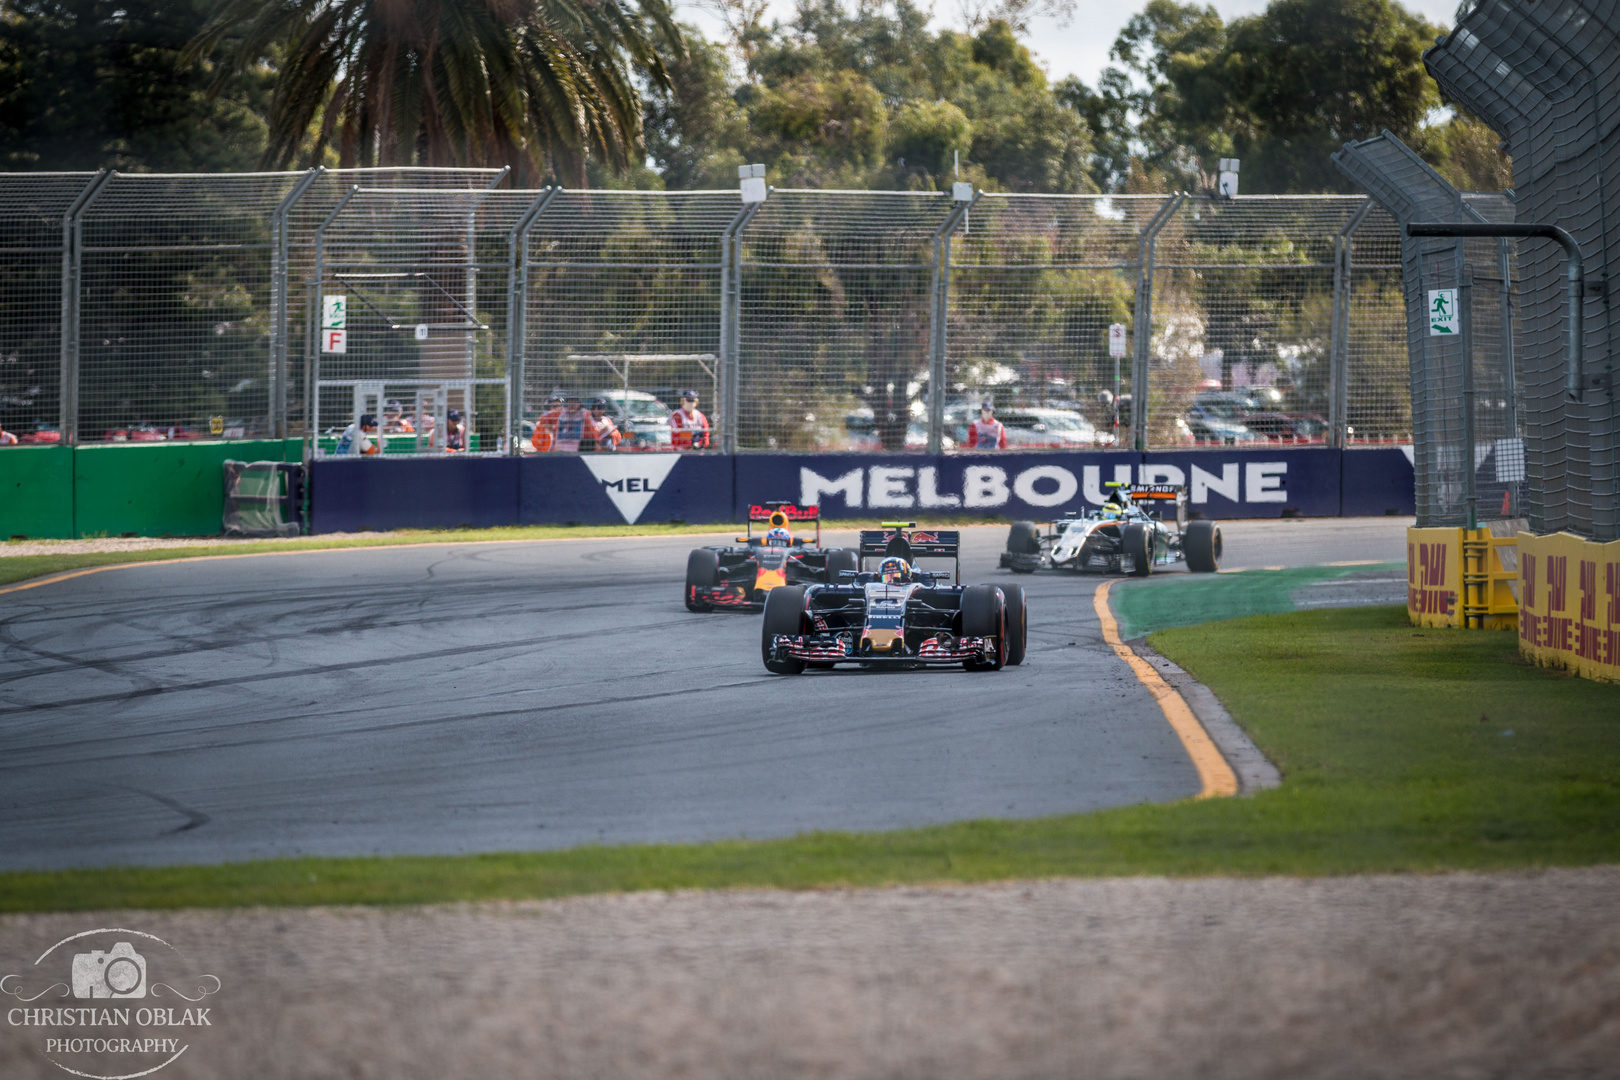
897, 615
1128, 534
740, 577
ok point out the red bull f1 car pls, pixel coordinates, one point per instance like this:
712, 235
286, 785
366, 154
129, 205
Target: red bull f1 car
897, 615
1140, 526
742, 576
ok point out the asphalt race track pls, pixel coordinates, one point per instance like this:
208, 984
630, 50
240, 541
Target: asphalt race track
491, 697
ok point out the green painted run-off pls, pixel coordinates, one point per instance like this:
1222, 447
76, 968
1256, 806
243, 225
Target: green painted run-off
1147, 607
151, 489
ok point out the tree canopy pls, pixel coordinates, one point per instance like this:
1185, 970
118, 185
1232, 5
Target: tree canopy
869, 97
847, 93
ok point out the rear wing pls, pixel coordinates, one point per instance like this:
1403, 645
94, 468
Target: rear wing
1156, 498
903, 539
783, 515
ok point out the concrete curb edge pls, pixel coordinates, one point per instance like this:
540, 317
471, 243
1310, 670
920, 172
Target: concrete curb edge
1254, 771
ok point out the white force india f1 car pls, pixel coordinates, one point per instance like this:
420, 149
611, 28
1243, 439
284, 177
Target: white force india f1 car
897, 615
740, 577
1140, 526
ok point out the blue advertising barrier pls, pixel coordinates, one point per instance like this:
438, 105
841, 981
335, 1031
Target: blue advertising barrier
615, 489
350, 494
1039, 485
599, 489
1378, 482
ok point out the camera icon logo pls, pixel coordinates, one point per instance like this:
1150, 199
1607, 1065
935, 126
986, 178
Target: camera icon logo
117, 973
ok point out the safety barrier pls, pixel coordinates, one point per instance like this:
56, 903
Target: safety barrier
147, 489
384, 493
1462, 578
1569, 595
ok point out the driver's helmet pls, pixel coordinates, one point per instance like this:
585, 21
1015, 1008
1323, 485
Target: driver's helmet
894, 571
778, 538
1112, 510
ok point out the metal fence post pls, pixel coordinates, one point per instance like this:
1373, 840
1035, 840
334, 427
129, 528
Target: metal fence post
1142, 345
729, 413
312, 352
938, 313
517, 311
72, 267
279, 257
1339, 330
1504, 270
1465, 314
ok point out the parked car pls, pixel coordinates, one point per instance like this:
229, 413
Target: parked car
641, 417
860, 428
1217, 416
1281, 427
1061, 429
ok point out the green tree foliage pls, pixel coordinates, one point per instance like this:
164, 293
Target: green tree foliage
92, 83
1282, 90
869, 97
542, 85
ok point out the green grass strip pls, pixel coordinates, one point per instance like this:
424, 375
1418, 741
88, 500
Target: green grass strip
1402, 750
1145, 607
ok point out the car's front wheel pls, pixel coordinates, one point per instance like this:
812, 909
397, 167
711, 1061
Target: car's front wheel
1138, 545
984, 615
1201, 544
784, 614
839, 560
1017, 623
702, 572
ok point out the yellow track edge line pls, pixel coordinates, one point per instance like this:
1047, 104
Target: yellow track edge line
54, 578
1216, 775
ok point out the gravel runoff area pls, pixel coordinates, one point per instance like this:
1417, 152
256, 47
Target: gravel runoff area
1407, 976
14, 548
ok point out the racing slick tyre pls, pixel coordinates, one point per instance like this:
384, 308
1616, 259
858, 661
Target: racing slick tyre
840, 559
1023, 548
1017, 623
1201, 545
784, 614
702, 572
984, 614
1138, 544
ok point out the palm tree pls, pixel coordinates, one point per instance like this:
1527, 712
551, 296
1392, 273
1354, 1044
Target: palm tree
540, 85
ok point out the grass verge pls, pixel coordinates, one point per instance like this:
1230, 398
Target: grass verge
1402, 750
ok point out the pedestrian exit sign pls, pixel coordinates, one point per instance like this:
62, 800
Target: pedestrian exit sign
1442, 312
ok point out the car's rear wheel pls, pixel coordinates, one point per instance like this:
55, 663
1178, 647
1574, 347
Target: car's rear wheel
1201, 544
984, 614
784, 614
840, 559
1017, 623
702, 572
1023, 554
1138, 544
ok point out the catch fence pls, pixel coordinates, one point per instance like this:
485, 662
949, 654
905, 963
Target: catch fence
140, 307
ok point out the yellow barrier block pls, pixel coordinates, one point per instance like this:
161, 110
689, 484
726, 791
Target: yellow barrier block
1434, 577
1569, 604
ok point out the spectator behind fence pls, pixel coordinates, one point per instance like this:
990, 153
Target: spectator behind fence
573, 425
545, 428
601, 432
987, 433
6, 437
455, 432
395, 420
689, 429
358, 431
